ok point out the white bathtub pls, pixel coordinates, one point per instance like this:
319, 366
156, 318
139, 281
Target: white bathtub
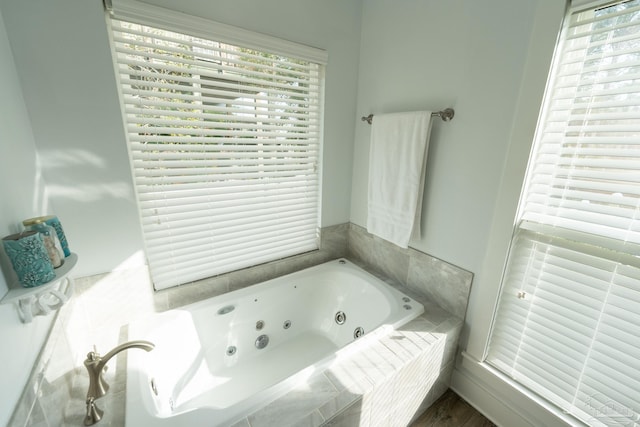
207, 369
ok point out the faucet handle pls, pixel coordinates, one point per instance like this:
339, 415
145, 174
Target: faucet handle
92, 356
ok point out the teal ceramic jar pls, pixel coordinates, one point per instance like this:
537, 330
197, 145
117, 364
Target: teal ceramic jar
29, 258
54, 222
51, 242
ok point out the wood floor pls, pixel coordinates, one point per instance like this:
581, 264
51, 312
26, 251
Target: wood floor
452, 411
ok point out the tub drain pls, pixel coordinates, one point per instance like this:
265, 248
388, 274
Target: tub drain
340, 318
231, 350
359, 331
286, 324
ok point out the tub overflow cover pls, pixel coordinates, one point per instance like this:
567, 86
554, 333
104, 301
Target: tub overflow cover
262, 341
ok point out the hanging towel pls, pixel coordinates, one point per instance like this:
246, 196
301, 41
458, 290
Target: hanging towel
397, 166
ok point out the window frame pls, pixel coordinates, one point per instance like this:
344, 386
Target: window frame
503, 400
625, 251
168, 20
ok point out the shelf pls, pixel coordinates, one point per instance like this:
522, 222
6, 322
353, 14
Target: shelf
42, 300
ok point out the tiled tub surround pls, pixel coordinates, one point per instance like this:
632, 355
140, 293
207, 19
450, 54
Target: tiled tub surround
191, 391
388, 382
55, 393
434, 280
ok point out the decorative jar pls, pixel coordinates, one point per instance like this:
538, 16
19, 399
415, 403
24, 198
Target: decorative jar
29, 258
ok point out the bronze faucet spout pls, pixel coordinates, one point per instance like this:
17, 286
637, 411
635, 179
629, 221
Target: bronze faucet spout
98, 387
145, 345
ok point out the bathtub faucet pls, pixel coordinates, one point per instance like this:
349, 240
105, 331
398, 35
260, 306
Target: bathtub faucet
98, 387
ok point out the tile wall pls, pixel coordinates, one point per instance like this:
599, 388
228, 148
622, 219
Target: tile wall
426, 276
103, 305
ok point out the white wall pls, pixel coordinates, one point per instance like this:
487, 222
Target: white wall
63, 58
489, 60
22, 195
413, 54
62, 52
464, 54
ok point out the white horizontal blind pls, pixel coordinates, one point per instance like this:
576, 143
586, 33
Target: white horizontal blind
568, 320
225, 148
586, 162
568, 328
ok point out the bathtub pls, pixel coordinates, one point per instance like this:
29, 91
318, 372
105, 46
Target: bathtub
220, 359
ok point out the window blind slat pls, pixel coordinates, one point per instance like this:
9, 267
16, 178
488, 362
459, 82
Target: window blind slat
228, 211
237, 254
167, 70
204, 111
206, 49
177, 191
222, 165
148, 116
158, 181
158, 89
291, 192
200, 44
136, 49
188, 229
282, 154
252, 105
193, 272
203, 237
298, 134
264, 124
210, 51
171, 253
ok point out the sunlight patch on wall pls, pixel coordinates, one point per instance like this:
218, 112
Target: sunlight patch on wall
63, 158
91, 192
103, 304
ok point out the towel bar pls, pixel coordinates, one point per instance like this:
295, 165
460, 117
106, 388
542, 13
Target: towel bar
446, 115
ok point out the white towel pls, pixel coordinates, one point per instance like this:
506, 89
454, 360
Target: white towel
397, 165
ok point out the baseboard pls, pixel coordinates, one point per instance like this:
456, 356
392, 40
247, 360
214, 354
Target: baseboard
485, 402
504, 403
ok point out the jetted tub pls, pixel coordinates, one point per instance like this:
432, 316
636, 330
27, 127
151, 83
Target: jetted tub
220, 359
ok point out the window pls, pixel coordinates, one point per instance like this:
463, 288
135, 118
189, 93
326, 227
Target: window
224, 142
568, 320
